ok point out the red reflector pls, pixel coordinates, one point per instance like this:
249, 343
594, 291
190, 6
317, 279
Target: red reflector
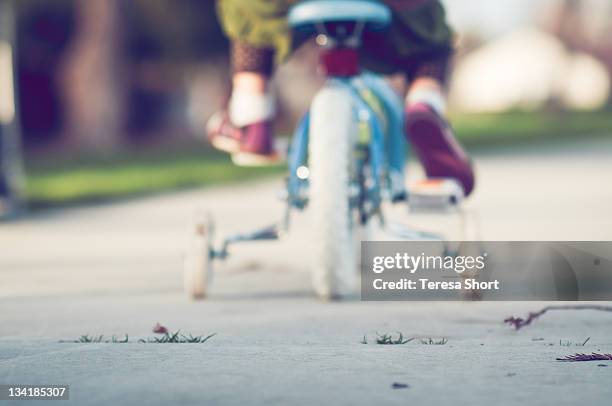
340, 62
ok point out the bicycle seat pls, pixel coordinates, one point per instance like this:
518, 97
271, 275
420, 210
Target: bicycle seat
308, 13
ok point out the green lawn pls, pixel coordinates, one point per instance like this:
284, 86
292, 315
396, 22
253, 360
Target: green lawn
513, 128
57, 181
67, 181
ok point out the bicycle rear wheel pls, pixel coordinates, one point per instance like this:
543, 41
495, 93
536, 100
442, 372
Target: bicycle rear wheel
332, 133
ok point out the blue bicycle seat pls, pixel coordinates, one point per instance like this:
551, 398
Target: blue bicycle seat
308, 13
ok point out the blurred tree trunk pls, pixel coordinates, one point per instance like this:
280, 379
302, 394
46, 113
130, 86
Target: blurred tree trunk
91, 77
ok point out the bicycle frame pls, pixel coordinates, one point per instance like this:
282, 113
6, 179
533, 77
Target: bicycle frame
386, 148
386, 143
377, 162
377, 109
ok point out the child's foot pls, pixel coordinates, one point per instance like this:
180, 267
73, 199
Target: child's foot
436, 147
251, 145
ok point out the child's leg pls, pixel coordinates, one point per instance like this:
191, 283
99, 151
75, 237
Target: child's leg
419, 44
251, 82
245, 127
427, 129
259, 35
427, 90
251, 100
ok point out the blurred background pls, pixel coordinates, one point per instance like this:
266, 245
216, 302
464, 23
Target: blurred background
106, 99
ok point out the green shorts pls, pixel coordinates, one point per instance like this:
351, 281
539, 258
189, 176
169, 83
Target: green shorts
419, 32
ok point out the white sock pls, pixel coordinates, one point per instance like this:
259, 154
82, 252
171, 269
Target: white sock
429, 97
248, 108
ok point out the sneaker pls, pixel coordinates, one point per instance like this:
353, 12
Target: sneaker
251, 145
222, 134
436, 147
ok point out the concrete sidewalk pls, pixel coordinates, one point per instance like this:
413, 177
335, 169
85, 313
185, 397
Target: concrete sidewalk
116, 269
299, 351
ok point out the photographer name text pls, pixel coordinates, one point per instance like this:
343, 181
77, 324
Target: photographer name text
411, 264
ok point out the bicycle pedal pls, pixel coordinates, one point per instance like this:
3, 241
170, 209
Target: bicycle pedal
438, 194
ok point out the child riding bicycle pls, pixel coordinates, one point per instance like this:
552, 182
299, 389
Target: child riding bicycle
418, 44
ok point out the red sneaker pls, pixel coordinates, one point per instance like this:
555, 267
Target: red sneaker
436, 147
251, 145
222, 134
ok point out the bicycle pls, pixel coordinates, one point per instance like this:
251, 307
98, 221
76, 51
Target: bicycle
346, 157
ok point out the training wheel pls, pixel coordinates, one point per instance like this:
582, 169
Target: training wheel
198, 260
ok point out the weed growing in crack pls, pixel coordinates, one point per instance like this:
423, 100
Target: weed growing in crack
177, 338
571, 343
433, 341
167, 338
97, 339
387, 339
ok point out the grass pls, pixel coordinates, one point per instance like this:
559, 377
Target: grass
98, 339
433, 341
91, 179
68, 180
387, 339
569, 343
177, 338
167, 338
519, 127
